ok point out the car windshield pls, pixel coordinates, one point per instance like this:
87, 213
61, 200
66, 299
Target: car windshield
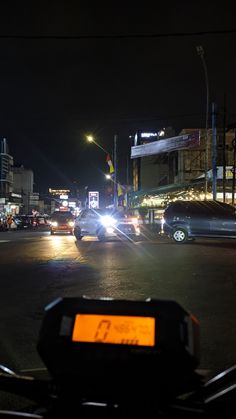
126, 111
62, 216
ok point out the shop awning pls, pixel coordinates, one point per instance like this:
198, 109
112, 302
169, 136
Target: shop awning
165, 189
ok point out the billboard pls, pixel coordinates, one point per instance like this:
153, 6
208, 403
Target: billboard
93, 199
167, 145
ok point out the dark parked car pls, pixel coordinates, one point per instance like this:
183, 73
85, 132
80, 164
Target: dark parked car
23, 222
3, 223
185, 220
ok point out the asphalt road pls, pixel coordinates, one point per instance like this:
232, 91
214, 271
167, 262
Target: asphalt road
36, 268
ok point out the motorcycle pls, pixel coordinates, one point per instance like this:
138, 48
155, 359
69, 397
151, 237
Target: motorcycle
120, 358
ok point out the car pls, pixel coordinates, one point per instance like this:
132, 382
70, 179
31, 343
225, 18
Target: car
41, 222
62, 222
23, 222
187, 220
105, 224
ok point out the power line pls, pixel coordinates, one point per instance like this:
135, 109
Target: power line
119, 36
137, 118
114, 118
123, 118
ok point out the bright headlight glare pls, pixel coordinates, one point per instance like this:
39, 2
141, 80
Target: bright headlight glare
134, 220
54, 223
71, 223
106, 221
110, 230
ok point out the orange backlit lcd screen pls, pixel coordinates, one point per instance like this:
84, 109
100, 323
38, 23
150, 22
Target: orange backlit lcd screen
120, 330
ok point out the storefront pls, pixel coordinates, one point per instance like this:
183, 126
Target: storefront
11, 205
161, 196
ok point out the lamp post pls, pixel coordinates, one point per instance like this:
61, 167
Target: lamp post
115, 172
200, 52
90, 139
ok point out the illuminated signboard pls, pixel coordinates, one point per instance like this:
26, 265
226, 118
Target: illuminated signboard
58, 192
148, 134
167, 145
93, 199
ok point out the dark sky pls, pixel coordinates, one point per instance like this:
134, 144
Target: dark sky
74, 69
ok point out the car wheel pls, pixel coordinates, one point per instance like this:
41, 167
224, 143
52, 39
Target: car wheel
101, 234
101, 238
52, 232
77, 234
180, 235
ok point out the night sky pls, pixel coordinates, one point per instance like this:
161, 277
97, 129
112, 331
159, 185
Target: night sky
107, 68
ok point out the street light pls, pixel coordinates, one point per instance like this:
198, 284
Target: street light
200, 52
90, 139
107, 176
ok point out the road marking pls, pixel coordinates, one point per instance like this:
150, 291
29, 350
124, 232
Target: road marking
4, 241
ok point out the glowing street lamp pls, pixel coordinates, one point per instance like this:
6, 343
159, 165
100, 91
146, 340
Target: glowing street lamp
90, 138
107, 176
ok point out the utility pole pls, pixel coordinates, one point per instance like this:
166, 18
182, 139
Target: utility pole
234, 163
200, 52
127, 171
223, 151
214, 166
115, 171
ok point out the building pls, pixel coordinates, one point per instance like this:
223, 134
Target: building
175, 167
10, 202
6, 173
152, 170
64, 199
23, 182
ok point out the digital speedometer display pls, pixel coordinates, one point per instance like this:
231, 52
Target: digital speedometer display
113, 329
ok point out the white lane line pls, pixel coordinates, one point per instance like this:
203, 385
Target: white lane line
4, 241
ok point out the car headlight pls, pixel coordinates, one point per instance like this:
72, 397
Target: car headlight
106, 221
110, 230
71, 223
137, 230
54, 223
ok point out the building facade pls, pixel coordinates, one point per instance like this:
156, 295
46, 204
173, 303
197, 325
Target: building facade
160, 176
6, 172
10, 202
23, 182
